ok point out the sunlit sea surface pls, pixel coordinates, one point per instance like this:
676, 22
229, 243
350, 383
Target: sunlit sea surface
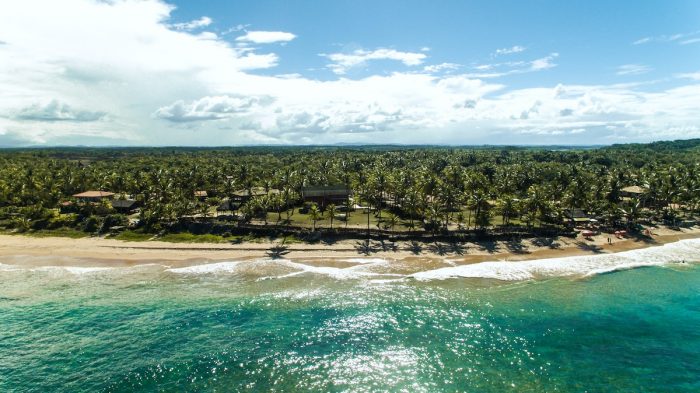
611, 323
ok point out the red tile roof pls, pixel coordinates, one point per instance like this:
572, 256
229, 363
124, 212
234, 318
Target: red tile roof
94, 194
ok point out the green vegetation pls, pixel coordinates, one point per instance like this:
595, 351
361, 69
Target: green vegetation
430, 189
134, 236
59, 232
191, 238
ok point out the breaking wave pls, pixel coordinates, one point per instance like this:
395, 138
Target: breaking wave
681, 251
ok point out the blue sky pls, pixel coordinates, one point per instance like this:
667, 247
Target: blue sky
151, 72
594, 37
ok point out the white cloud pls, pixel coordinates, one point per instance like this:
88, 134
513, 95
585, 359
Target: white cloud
498, 70
193, 25
441, 67
691, 75
56, 111
266, 37
682, 38
690, 41
633, 69
342, 62
160, 85
508, 51
544, 63
209, 108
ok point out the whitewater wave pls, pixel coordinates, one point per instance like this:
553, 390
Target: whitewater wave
364, 261
74, 270
379, 270
266, 269
681, 251
209, 268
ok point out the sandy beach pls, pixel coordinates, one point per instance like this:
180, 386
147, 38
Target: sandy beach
100, 251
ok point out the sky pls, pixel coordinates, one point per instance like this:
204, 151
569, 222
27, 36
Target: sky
231, 73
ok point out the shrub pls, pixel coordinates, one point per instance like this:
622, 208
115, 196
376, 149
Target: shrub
92, 224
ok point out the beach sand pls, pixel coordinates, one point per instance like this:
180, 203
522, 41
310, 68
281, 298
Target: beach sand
109, 252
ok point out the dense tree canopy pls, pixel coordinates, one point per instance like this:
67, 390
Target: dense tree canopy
429, 187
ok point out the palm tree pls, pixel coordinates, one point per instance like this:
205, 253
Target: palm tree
315, 214
392, 220
331, 210
631, 210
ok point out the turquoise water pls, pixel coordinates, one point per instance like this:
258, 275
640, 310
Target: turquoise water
148, 328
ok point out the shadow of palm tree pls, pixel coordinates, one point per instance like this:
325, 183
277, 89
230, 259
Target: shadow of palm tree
277, 251
414, 247
516, 246
438, 248
388, 246
589, 247
489, 246
640, 237
364, 247
329, 240
546, 242
457, 248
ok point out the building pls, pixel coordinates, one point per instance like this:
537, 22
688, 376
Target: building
226, 206
326, 195
633, 192
243, 196
201, 195
577, 216
125, 206
94, 196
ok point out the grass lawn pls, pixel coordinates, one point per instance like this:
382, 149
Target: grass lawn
60, 232
356, 219
133, 236
191, 238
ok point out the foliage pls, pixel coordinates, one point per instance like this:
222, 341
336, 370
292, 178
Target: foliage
435, 188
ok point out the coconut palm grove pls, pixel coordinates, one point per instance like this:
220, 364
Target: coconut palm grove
221, 194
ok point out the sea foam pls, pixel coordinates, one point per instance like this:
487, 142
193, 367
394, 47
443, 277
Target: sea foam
219, 267
283, 268
681, 251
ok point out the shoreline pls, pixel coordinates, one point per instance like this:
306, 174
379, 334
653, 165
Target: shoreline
100, 252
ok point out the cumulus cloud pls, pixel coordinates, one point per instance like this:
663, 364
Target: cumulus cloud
633, 69
193, 25
508, 51
441, 67
57, 111
164, 85
544, 63
342, 62
209, 108
266, 37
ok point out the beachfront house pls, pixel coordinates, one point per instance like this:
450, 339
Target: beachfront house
326, 195
94, 196
125, 206
577, 216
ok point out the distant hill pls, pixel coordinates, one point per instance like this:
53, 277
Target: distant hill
661, 146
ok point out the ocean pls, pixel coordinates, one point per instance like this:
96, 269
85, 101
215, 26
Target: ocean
628, 322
